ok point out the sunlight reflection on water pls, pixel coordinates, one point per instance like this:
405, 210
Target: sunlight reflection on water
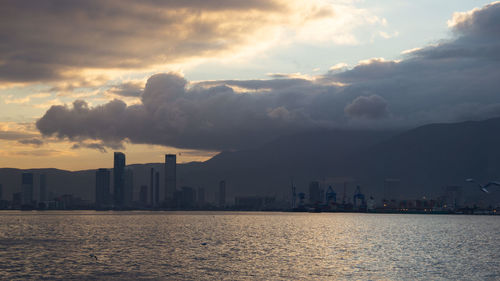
247, 246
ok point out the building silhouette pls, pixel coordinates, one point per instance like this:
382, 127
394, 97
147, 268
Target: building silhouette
157, 189
170, 177
102, 184
358, 200
17, 200
1, 191
128, 189
255, 202
222, 194
331, 196
119, 178
27, 189
151, 186
188, 197
43, 188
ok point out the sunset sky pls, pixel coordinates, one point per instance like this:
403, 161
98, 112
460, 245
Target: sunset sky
81, 79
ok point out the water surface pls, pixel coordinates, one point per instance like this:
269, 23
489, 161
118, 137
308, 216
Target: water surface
247, 246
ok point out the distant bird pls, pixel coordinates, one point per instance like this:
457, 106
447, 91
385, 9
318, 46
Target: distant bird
483, 187
93, 256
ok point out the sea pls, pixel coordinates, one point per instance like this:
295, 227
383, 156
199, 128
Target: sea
154, 245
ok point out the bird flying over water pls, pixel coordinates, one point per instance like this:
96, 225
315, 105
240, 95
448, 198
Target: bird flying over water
483, 188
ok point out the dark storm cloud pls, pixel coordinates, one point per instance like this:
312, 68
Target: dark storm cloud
55, 39
371, 107
175, 113
433, 84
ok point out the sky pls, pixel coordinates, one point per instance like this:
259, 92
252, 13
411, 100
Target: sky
79, 80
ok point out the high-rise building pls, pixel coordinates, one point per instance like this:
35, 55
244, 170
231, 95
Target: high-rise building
43, 188
1, 191
119, 178
27, 188
143, 195
222, 194
151, 186
170, 176
102, 183
314, 193
128, 189
157, 189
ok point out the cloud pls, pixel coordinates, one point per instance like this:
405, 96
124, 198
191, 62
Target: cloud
14, 135
37, 153
127, 89
190, 115
100, 146
34, 141
370, 107
454, 80
96, 146
56, 40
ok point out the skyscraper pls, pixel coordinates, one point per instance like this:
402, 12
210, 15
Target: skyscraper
157, 189
128, 189
43, 188
151, 186
119, 178
27, 188
102, 179
222, 194
170, 176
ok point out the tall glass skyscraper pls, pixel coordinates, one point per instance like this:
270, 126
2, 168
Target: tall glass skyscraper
170, 176
119, 179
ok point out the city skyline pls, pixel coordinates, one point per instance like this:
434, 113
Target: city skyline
200, 140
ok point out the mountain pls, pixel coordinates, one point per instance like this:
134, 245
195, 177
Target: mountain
418, 162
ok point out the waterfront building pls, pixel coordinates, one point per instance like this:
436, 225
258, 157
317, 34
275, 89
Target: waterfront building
119, 178
151, 186
331, 196
27, 189
157, 189
102, 185
170, 177
188, 197
128, 189
43, 188
255, 202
